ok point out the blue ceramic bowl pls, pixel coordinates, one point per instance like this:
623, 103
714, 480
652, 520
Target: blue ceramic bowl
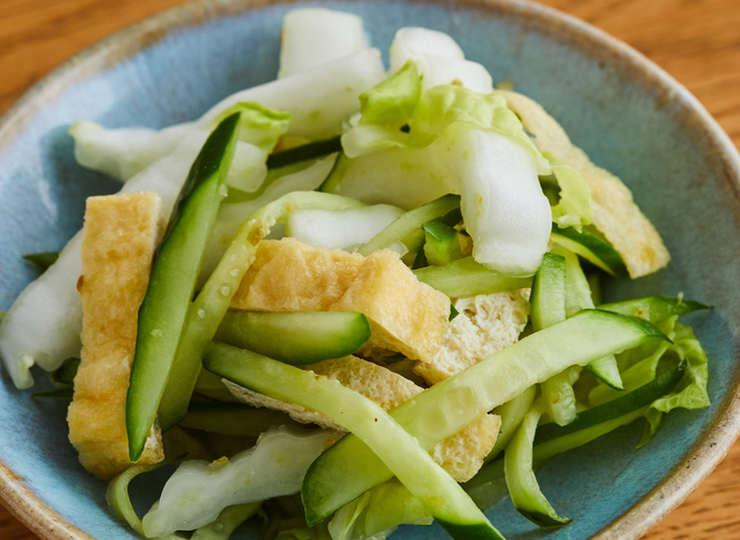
625, 112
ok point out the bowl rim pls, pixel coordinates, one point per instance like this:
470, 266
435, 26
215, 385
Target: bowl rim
672, 490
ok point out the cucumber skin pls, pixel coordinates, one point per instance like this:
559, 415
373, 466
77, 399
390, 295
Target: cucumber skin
337, 465
549, 280
304, 152
521, 481
213, 304
441, 495
591, 247
441, 245
407, 227
174, 275
296, 338
466, 277
655, 309
638, 398
552, 440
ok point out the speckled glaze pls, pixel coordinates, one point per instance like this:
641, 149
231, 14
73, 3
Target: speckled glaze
625, 112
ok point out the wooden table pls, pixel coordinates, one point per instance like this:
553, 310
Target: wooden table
697, 42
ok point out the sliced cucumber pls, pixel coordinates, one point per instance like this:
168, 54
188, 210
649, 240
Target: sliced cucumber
441, 245
214, 299
592, 248
626, 403
42, 260
520, 478
655, 309
577, 297
547, 299
232, 419
443, 498
65, 374
119, 499
551, 439
65, 394
407, 228
303, 153
449, 406
298, 338
512, 413
466, 277
165, 307
547, 308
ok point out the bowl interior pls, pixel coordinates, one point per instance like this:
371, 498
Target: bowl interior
630, 121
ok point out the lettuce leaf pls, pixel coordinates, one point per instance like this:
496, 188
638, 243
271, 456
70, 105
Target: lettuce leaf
573, 208
480, 151
320, 100
439, 58
691, 391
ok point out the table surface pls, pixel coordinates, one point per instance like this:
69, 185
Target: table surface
696, 41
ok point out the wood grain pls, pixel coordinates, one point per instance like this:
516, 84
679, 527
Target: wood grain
696, 41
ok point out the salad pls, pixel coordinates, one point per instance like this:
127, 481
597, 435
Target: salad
350, 299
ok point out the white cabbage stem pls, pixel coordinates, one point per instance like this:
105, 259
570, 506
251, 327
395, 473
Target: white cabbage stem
504, 209
43, 326
439, 59
319, 101
315, 36
198, 491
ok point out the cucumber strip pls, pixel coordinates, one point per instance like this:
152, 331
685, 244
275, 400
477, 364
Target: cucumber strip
340, 168
232, 419
577, 297
655, 309
512, 413
553, 447
297, 338
65, 394
407, 228
441, 245
547, 299
42, 260
577, 290
65, 374
633, 377
487, 488
450, 405
163, 312
559, 397
594, 284
304, 152
525, 492
211, 386
626, 403
592, 248
120, 501
214, 299
466, 277
547, 308
228, 520
443, 498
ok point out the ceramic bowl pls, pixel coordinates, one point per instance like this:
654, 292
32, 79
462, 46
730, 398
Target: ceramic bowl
624, 111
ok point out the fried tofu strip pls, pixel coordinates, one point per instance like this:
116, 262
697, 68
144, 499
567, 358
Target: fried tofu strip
486, 324
461, 455
406, 316
120, 235
615, 213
